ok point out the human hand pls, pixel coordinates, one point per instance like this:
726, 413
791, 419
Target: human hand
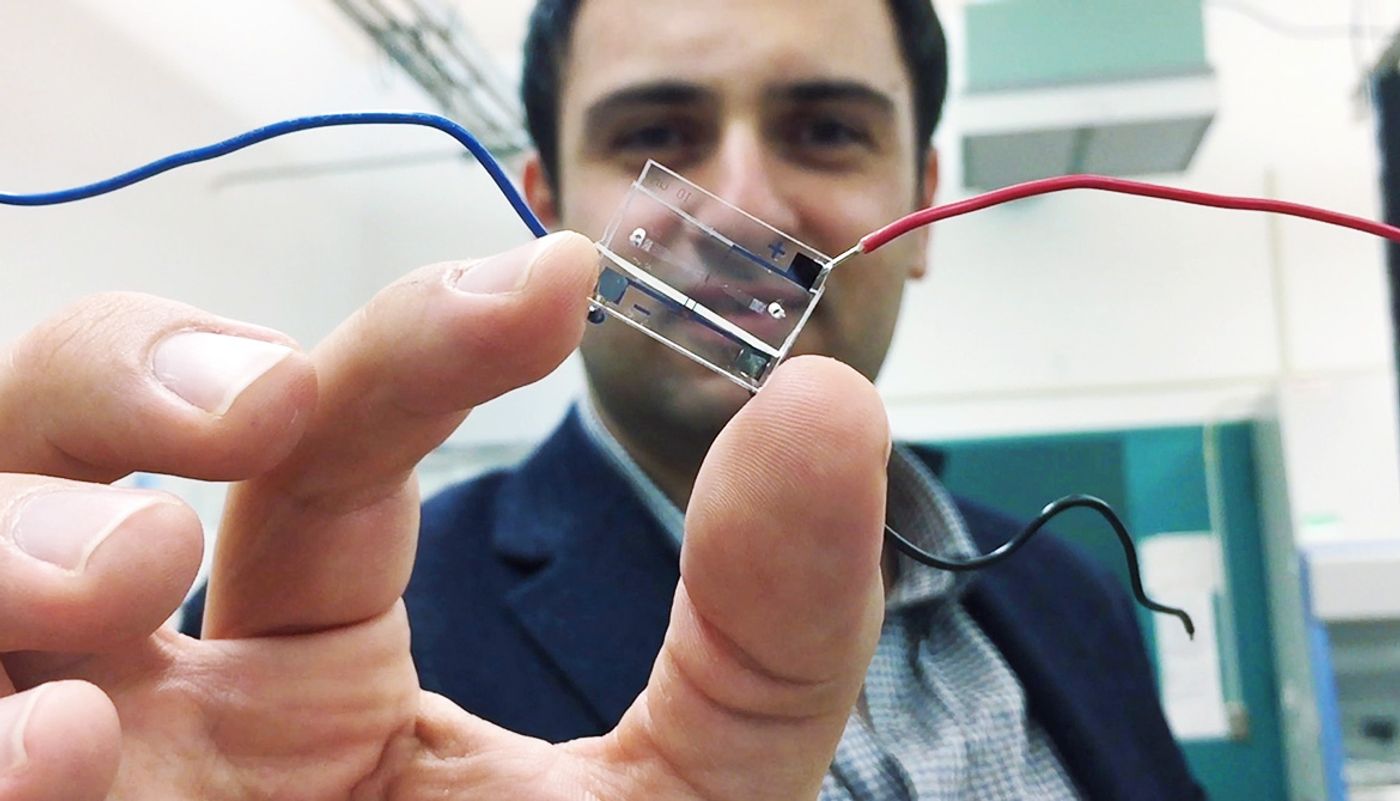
303, 687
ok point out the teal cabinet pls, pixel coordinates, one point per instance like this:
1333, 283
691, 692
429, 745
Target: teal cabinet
1162, 480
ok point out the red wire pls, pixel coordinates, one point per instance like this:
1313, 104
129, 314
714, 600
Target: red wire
918, 219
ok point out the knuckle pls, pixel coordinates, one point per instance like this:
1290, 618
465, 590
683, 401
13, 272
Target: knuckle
88, 324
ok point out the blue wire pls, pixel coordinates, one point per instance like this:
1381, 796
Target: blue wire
462, 135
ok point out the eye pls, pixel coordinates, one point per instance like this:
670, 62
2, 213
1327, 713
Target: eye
654, 137
829, 132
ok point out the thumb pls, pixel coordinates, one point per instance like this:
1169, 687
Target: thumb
780, 601
58, 742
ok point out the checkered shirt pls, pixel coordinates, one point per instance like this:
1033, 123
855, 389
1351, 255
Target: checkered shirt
941, 715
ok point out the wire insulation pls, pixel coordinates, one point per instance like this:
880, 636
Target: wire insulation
875, 239
1015, 544
276, 129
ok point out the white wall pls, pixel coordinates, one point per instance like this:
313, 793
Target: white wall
1071, 312
1082, 293
91, 89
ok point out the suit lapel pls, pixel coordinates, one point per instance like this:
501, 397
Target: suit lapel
598, 601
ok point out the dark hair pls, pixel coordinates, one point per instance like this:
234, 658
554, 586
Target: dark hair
916, 25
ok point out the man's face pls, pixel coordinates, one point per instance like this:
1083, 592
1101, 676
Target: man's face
796, 111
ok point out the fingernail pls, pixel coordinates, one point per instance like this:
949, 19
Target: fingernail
64, 527
503, 273
211, 370
14, 719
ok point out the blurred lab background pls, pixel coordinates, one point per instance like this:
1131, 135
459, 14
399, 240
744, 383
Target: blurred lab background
1227, 380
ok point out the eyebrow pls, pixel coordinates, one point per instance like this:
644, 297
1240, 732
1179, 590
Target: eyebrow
660, 93
820, 91
679, 93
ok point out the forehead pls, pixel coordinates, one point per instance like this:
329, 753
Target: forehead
731, 46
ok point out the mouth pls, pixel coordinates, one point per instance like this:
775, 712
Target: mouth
770, 321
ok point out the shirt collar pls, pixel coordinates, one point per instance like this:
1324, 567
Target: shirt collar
920, 508
661, 507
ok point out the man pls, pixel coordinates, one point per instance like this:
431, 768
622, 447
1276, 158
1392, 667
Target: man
821, 128
304, 687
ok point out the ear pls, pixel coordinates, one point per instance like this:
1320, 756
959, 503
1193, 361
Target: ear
539, 193
930, 188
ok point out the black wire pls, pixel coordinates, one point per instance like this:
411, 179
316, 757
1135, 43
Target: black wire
1014, 544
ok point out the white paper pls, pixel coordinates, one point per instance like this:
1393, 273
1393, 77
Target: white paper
1183, 569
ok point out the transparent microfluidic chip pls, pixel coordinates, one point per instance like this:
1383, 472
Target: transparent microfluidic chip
705, 278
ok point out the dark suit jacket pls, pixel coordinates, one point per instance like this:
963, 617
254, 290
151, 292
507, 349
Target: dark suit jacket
541, 595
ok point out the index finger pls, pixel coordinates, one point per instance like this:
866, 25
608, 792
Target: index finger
327, 538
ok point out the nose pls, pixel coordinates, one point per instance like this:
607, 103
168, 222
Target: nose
745, 173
